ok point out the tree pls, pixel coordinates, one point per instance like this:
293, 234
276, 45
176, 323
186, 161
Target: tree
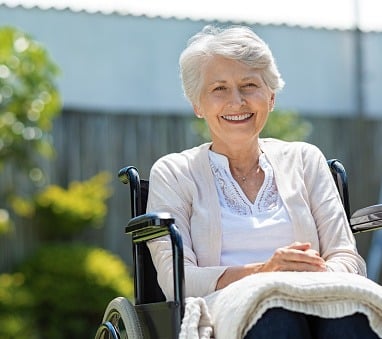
29, 100
35, 303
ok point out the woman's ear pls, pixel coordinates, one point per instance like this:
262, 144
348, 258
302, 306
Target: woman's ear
197, 112
272, 102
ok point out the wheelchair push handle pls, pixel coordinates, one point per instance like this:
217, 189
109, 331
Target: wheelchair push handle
340, 177
129, 175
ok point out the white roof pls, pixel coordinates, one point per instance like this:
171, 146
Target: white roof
337, 14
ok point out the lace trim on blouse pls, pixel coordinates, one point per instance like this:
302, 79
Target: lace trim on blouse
231, 194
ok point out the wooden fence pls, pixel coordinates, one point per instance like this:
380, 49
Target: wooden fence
87, 143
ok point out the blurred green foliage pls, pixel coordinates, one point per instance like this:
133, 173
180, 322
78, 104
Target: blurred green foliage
29, 99
72, 285
60, 214
16, 308
5, 221
62, 290
284, 125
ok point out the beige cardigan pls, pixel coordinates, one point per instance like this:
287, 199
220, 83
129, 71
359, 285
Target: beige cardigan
183, 185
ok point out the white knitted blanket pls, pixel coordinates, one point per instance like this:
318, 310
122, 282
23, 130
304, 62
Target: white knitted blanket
232, 311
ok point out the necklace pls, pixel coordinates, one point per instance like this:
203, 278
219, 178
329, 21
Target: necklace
255, 167
243, 178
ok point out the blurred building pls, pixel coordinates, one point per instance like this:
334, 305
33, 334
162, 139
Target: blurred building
123, 102
117, 59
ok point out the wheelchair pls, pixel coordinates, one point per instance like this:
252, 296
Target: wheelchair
151, 316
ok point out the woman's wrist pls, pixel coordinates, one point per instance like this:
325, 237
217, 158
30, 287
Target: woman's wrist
234, 273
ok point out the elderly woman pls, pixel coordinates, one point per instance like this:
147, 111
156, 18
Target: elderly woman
243, 204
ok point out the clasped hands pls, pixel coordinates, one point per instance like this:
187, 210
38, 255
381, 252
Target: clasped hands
295, 257
299, 257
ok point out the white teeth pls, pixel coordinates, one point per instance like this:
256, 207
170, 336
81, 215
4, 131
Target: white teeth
237, 117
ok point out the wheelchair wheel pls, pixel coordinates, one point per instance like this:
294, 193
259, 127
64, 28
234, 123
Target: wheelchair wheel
120, 321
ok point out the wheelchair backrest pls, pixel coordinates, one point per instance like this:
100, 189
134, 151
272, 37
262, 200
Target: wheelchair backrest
146, 287
149, 292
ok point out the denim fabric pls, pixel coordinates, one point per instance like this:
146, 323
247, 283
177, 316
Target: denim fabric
282, 324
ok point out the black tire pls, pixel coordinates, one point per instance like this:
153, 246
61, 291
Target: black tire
120, 321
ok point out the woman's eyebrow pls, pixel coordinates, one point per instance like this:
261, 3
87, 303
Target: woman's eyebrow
248, 78
216, 83
252, 77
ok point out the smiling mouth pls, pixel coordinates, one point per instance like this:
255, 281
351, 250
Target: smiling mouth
239, 117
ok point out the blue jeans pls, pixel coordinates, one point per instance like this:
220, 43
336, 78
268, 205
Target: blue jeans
280, 323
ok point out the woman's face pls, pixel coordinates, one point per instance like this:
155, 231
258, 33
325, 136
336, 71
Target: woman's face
234, 101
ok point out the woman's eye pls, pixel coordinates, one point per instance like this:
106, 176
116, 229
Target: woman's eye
249, 85
219, 88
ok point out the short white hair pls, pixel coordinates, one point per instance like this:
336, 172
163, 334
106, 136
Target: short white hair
237, 43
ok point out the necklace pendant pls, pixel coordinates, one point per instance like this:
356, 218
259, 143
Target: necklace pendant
244, 179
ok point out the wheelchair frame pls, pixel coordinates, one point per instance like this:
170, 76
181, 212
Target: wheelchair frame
153, 317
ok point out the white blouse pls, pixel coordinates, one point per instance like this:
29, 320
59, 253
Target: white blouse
251, 231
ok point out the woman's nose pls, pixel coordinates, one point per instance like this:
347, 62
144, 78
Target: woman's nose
237, 98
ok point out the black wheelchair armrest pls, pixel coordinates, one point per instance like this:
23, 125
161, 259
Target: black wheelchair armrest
154, 225
366, 219
149, 226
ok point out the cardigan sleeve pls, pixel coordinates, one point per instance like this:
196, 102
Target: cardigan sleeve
172, 189
336, 241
